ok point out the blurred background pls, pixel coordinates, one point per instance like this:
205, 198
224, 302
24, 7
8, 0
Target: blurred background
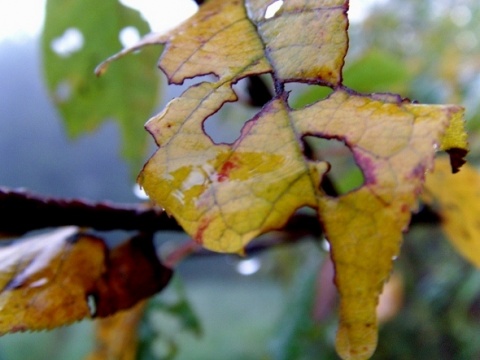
276, 304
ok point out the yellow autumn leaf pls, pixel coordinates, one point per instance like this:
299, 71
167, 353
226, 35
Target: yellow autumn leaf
60, 277
393, 144
456, 198
117, 335
224, 195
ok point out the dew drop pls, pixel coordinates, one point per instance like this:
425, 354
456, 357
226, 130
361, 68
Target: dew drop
325, 245
92, 305
39, 282
248, 267
139, 192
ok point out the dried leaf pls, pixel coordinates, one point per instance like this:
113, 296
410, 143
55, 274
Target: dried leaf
57, 278
393, 144
224, 195
456, 197
117, 336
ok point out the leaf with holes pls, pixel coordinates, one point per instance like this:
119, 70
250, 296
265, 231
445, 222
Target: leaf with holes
224, 195
60, 277
78, 34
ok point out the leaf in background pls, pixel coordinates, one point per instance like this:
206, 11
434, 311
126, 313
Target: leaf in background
57, 278
117, 335
374, 71
299, 334
456, 197
79, 34
224, 195
167, 319
377, 71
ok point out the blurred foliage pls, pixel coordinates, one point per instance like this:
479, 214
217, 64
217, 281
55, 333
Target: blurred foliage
439, 42
75, 40
167, 317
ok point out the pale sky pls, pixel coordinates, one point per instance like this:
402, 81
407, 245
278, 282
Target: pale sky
23, 19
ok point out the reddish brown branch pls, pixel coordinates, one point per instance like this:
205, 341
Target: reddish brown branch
22, 212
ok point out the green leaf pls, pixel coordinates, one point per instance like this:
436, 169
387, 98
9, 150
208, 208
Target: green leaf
377, 71
78, 35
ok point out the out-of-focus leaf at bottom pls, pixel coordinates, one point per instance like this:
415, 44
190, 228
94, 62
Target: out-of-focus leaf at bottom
117, 336
60, 277
300, 335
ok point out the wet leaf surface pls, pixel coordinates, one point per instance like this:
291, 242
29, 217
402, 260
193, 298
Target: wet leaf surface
57, 278
224, 195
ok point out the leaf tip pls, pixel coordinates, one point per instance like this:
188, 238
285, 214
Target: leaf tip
358, 348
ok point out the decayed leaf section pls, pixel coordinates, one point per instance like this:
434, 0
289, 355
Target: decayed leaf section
57, 278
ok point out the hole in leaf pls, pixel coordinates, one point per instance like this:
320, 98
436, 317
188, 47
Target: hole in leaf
226, 125
63, 91
344, 175
129, 36
273, 8
69, 43
302, 95
255, 90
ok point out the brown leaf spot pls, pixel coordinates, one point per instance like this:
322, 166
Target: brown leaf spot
457, 158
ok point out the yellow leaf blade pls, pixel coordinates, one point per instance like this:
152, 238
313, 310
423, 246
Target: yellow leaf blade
224, 195
212, 190
456, 197
394, 144
313, 40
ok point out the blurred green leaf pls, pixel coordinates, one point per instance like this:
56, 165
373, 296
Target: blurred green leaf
374, 71
377, 71
167, 316
78, 35
299, 336
180, 308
